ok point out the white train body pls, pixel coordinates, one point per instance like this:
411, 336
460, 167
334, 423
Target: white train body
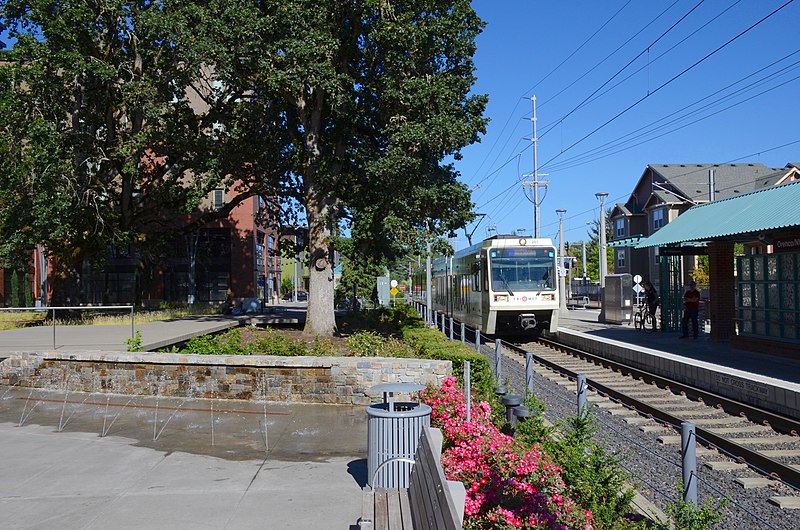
503, 285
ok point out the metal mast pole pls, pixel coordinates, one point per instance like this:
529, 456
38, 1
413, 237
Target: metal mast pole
535, 182
535, 174
561, 280
428, 304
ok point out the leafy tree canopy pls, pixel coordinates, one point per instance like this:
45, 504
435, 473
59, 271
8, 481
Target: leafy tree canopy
129, 111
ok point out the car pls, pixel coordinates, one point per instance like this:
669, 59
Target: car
302, 296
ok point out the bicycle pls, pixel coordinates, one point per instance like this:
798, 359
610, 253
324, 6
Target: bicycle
643, 319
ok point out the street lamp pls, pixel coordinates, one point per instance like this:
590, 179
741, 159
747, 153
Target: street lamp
601, 196
562, 304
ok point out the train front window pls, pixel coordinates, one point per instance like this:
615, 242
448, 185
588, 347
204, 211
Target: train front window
523, 269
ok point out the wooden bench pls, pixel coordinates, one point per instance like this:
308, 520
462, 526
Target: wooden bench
430, 502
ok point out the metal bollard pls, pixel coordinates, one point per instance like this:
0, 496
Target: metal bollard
444, 317
467, 391
519, 414
528, 374
689, 462
498, 361
463, 337
478, 340
509, 402
451, 329
582, 396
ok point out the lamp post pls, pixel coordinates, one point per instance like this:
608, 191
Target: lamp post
562, 297
428, 304
601, 196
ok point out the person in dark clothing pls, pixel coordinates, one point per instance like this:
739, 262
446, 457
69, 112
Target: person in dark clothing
691, 307
651, 299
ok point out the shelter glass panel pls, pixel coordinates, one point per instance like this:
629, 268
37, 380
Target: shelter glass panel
768, 300
758, 268
772, 267
787, 266
745, 268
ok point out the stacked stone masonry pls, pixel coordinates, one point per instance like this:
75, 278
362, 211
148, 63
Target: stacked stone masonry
335, 380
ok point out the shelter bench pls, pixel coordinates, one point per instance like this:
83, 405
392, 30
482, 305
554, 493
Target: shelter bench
431, 502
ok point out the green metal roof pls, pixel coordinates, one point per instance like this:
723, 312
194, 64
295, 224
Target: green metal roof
626, 242
768, 209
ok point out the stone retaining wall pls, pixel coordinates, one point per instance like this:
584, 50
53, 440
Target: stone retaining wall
339, 380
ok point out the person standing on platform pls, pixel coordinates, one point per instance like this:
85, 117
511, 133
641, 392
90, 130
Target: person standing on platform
651, 299
691, 308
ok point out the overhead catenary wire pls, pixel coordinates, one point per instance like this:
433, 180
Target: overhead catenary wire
581, 104
607, 57
671, 80
511, 115
696, 102
618, 146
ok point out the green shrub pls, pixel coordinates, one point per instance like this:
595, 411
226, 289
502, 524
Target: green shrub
135, 343
686, 516
595, 479
429, 343
228, 343
535, 430
365, 343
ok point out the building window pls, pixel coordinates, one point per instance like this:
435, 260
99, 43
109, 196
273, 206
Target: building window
658, 219
619, 224
218, 199
655, 253
621, 258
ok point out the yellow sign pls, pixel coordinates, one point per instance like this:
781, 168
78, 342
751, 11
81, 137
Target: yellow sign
394, 291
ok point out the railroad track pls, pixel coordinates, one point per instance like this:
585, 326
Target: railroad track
736, 437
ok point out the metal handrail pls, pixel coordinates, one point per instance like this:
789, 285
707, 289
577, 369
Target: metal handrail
78, 307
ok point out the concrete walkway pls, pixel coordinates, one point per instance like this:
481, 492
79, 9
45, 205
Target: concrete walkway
155, 335
173, 464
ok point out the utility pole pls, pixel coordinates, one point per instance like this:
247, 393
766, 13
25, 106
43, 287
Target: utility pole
535, 183
601, 196
562, 304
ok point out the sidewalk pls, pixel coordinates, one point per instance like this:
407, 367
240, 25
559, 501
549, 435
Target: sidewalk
197, 465
701, 349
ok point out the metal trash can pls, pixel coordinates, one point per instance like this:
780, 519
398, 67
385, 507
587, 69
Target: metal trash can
393, 432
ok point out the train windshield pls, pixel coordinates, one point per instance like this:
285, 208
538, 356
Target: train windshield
523, 269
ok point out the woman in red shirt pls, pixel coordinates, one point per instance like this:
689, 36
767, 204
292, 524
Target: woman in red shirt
691, 307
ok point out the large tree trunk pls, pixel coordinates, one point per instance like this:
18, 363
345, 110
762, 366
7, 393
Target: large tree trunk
320, 317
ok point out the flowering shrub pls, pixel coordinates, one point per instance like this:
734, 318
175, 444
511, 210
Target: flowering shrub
507, 485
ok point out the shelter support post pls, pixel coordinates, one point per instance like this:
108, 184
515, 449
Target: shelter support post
722, 290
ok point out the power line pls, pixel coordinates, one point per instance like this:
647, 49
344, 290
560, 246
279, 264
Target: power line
689, 68
579, 105
616, 146
603, 147
649, 63
578, 48
511, 115
607, 57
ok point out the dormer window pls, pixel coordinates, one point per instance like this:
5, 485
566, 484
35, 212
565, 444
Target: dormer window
619, 227
658, 219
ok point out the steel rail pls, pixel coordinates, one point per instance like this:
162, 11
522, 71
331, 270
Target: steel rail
753, 458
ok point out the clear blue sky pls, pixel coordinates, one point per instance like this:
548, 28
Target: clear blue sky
521, 52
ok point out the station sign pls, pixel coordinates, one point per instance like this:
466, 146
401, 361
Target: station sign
683, 251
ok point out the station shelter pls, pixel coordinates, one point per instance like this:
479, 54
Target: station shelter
755, 299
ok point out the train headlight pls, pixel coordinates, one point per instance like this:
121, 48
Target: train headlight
501, 298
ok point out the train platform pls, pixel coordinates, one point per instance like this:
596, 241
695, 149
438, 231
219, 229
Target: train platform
767, 381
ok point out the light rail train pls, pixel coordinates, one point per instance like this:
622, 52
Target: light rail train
504, 285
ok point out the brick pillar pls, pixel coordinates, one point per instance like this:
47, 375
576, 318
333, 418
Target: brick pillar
722, 291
